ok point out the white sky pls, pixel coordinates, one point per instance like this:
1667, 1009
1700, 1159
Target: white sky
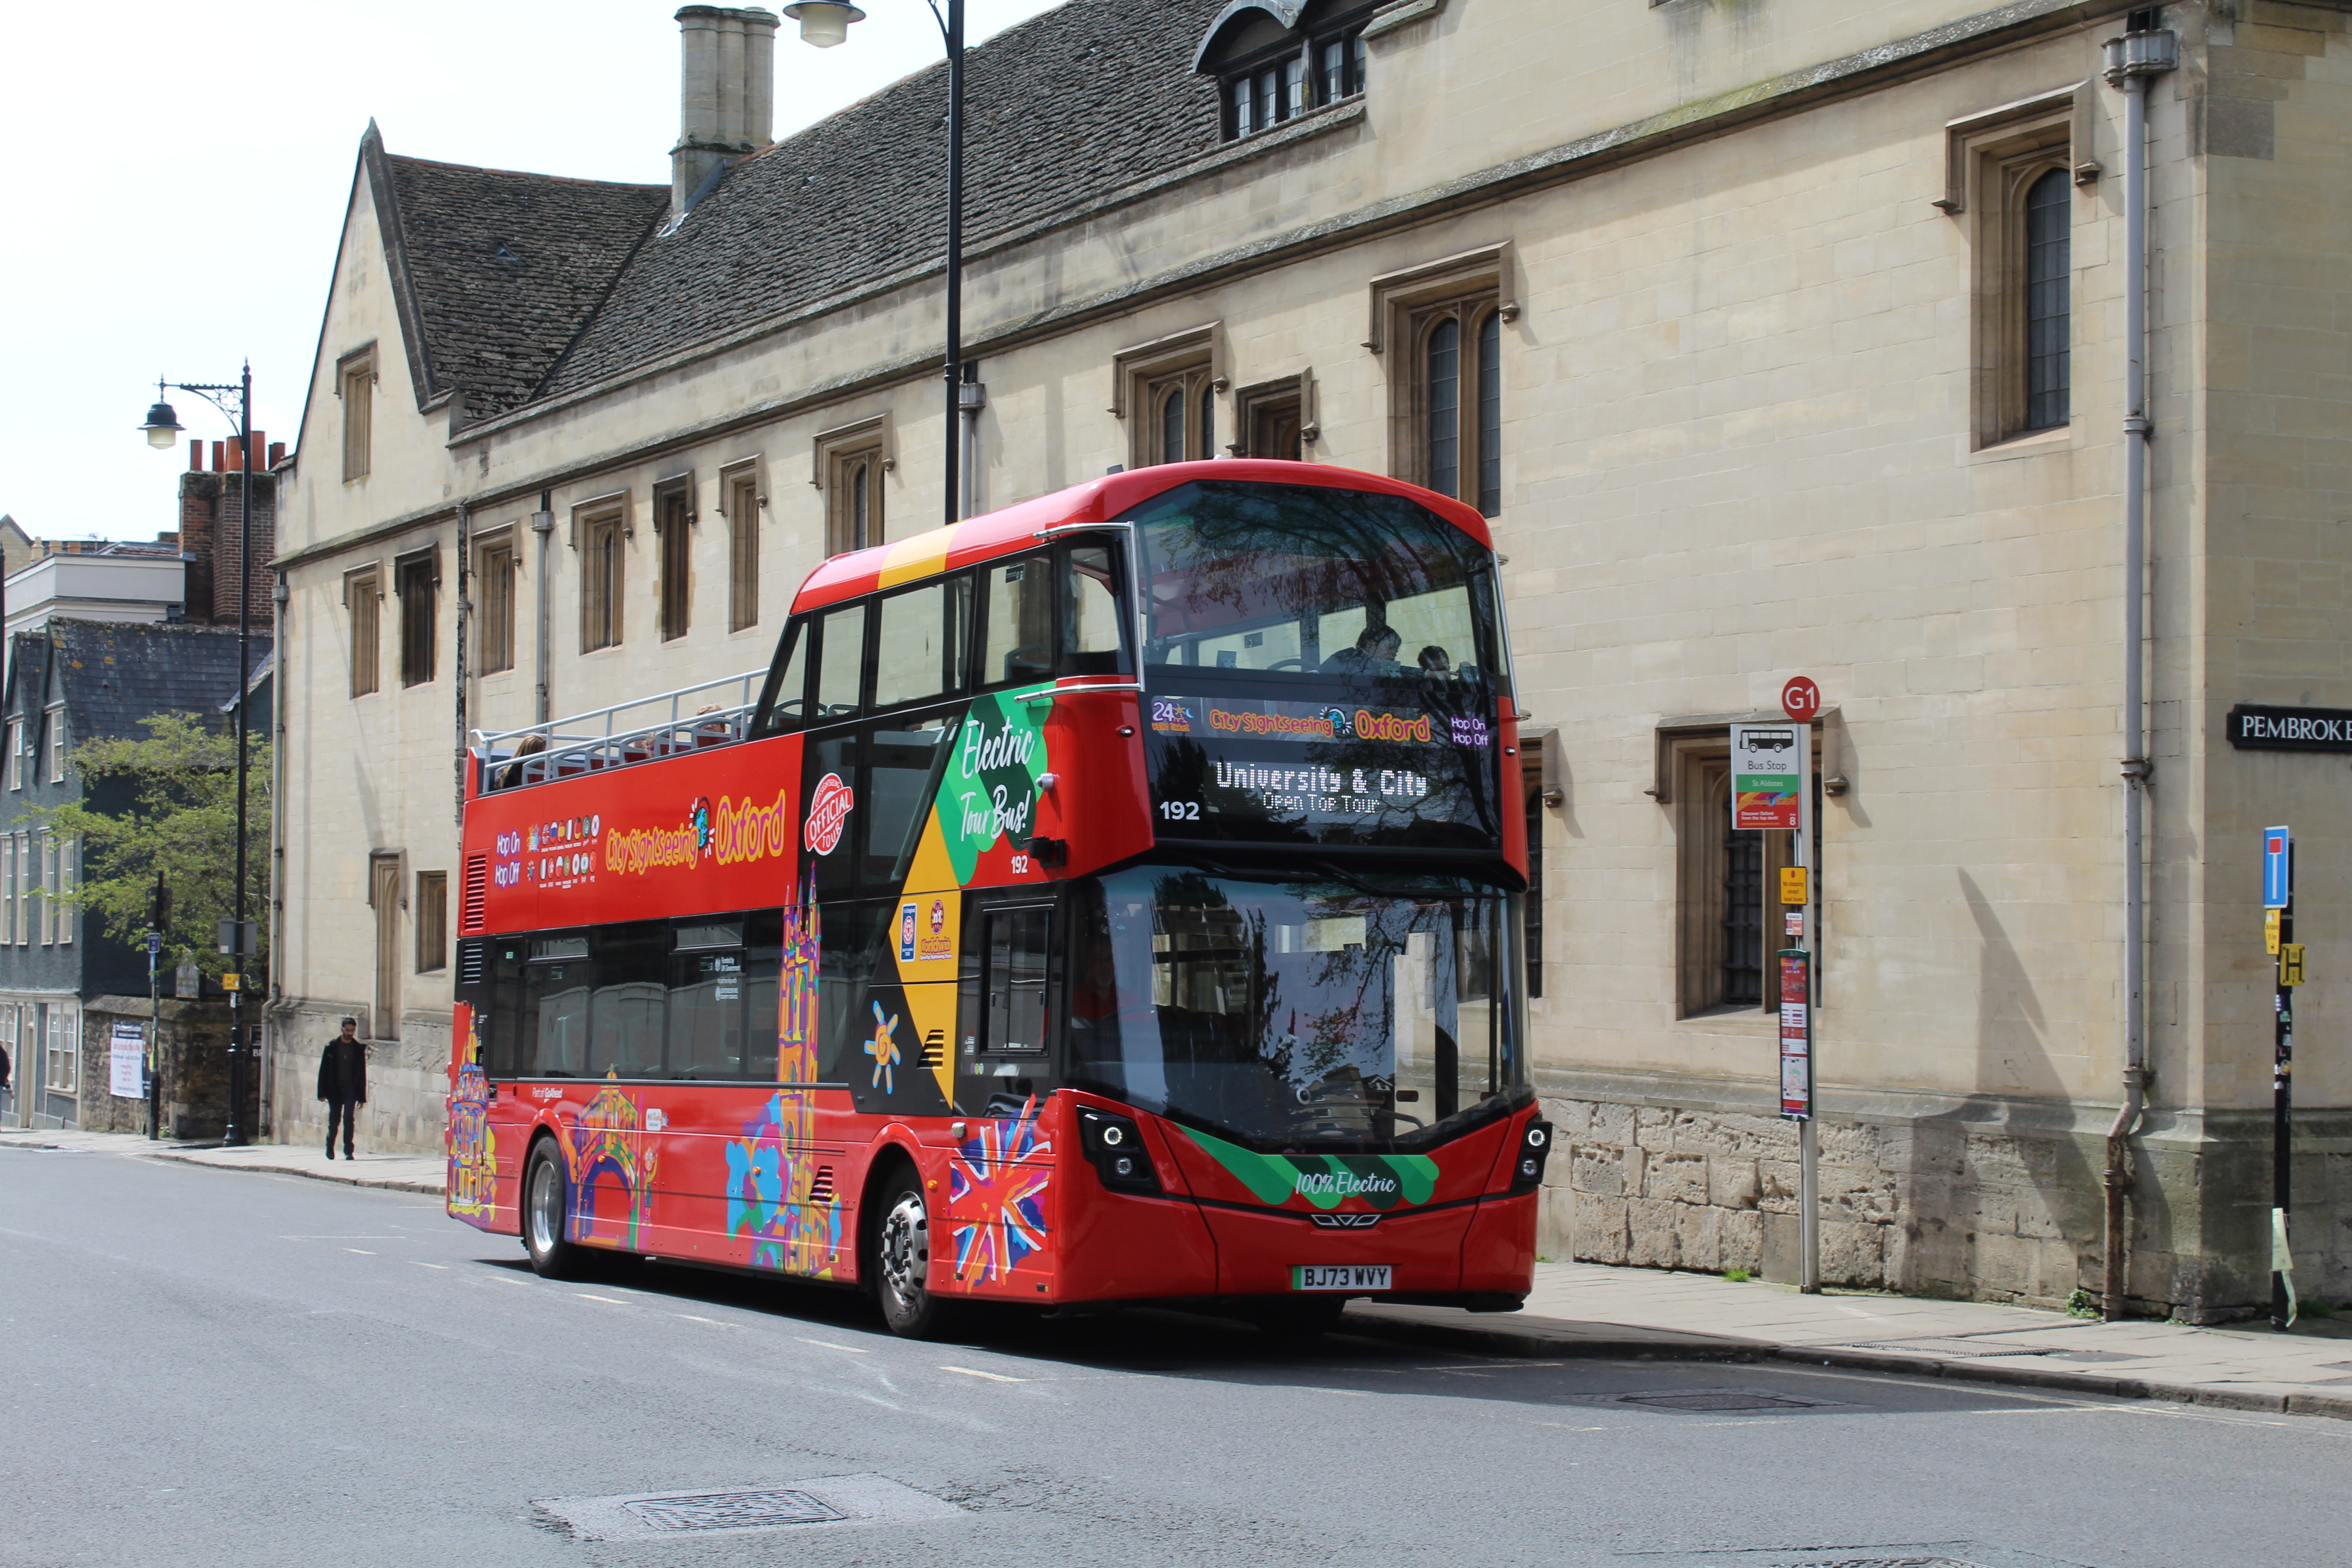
175, 179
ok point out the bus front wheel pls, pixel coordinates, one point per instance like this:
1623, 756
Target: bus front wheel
545, 1210
900, 1258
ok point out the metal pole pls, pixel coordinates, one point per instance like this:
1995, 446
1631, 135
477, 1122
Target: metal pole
233, 1134
1809, 1143
951, 473
154, 1055
2282, 1092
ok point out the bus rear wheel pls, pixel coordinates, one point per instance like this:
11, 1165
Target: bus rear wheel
546, 1208
899, 1260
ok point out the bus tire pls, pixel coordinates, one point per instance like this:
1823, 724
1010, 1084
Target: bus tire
546, 1207
898, 1258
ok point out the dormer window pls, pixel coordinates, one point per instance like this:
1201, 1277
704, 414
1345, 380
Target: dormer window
1279, 58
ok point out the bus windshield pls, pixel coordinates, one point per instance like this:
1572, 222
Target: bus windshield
1300, 580
1316, 1014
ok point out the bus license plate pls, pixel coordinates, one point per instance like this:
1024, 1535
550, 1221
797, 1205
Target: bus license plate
1339, 1277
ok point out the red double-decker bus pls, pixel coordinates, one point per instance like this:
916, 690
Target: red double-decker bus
1115, 897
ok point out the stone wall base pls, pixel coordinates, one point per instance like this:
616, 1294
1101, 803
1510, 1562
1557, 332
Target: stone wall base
194, 1073
408, 1079
1981, 1198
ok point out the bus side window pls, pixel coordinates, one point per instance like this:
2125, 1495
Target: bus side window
1014, 944
554, 1035
784, 703
1019, 623
1090, 632
924, 640
624, 1012
840, 663
506, 1025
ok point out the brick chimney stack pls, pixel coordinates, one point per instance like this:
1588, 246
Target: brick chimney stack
727, 92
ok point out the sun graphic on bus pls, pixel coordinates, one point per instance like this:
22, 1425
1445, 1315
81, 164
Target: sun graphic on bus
884, 1050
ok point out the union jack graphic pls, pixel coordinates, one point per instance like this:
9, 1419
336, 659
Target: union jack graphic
996, 1196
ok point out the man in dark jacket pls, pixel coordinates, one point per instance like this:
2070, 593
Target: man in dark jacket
343, 1084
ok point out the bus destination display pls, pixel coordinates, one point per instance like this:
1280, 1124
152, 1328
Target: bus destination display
1261, 769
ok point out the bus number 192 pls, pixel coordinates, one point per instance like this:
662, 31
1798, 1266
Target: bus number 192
1180, 810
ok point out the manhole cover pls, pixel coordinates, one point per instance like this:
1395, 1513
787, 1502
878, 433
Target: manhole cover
732, 1510
1716, 1400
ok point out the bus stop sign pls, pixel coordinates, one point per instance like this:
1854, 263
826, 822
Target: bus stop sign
1801, 700
2278, 874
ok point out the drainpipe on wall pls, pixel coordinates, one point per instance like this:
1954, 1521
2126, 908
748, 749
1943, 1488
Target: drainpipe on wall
2143, 53
971, 398
280, 597
465, 603
542, 523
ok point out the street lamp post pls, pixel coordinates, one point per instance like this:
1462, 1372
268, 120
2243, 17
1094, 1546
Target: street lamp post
163, 428
823, 25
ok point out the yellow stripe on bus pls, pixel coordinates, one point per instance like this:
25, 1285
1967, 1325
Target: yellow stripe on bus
925, 555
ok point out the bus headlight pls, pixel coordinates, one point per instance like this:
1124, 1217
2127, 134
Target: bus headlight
1535, 1148
1114, 1145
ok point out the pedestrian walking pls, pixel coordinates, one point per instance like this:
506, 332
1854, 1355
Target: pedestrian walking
343, 1084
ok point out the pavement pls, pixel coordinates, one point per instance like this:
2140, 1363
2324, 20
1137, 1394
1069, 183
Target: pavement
1594, 1310
394, 1173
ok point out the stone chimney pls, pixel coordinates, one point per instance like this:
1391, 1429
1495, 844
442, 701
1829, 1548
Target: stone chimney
727, 93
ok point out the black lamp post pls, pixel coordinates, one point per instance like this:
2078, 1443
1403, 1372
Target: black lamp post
825, 24
163, 428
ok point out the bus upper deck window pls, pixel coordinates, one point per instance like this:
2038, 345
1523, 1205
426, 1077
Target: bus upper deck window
1019, 645
1091, 639
840, 662
919, 651
785, 701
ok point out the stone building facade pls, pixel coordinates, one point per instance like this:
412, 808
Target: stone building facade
1777, 337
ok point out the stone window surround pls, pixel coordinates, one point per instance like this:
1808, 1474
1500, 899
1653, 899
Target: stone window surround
363, 597
386, 868
355, 373
590, 519
742, 479
1249, 400
1140, 371
404, 566
490, 545
432, 922
832, 451
1687, 750
1992, 158
674, 492
1403, 305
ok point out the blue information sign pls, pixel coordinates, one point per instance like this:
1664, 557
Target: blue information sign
155, 942
2278, 875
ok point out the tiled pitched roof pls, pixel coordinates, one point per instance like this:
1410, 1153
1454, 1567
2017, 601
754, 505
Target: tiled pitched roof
1072, 104
113, 675
502, 268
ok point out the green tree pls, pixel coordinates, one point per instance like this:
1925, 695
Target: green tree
167, 803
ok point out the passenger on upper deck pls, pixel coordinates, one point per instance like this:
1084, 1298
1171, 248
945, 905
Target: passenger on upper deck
1375, 653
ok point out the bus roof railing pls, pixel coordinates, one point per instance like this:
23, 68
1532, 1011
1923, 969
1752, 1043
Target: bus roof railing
642, 730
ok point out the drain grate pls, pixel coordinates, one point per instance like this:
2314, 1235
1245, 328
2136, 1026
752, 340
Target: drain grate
1717, 1400
812, 1505
733, 1511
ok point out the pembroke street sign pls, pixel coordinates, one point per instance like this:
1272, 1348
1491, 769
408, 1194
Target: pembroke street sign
2290, 729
